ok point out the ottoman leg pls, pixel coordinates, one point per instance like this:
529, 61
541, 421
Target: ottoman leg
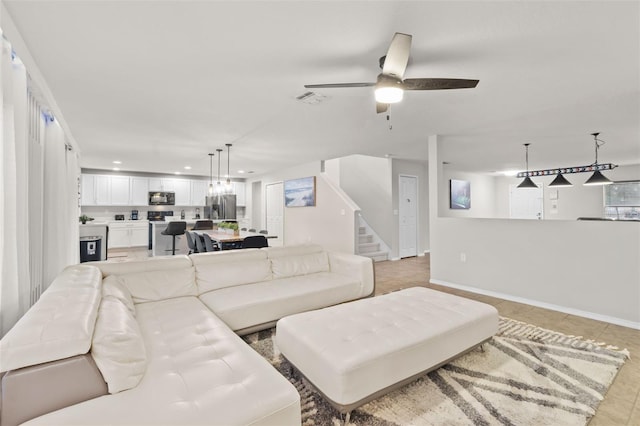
347, 417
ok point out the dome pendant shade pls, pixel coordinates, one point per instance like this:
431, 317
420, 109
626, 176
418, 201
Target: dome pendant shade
527, 183
560, 182
597, 178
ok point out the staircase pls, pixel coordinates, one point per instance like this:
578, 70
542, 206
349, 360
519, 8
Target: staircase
368, 247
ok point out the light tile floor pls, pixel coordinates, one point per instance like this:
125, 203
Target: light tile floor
621, 405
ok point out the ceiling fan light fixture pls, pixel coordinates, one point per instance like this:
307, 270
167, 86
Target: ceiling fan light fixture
389, 95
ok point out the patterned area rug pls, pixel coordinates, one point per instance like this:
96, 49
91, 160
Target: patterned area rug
525, 376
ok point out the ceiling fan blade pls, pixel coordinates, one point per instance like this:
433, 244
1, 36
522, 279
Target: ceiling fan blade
337, 85
381, 107
438, 83
395, 63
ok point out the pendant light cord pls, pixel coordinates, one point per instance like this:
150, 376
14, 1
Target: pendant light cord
599, 143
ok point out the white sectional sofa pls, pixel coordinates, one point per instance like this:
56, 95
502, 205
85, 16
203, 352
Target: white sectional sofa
156, 341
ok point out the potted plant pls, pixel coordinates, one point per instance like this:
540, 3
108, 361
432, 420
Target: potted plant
84, 219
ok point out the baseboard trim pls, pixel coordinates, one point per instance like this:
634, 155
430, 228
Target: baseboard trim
564, 309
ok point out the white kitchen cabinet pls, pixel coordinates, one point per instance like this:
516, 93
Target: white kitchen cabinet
103, 190
139, 191
241, 199
155, 184
199, 190
118, 236
128, 234
162, 184
87, 190
182, 188
120, 190
139, 235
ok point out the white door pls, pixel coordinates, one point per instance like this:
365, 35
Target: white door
408, 212
274, 208
525, 203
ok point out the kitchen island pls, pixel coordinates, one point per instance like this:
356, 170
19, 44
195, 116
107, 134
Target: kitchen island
161, 244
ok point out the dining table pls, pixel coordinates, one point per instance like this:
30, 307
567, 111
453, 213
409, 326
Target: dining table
228, 241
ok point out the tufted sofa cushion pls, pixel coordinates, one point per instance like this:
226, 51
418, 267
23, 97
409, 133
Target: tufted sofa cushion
230, 268
59, 325
118, 348
301, 260
152, 286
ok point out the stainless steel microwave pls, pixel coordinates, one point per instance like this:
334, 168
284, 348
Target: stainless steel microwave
162, 198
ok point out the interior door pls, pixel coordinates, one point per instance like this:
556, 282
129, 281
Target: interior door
408, 212
525, 203
274, 208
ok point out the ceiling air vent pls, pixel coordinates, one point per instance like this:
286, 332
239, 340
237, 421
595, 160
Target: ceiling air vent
311, 98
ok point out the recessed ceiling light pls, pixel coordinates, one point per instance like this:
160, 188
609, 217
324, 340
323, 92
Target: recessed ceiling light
176, 173
510, 172
187, 167
115, 169
240, 171
117, 162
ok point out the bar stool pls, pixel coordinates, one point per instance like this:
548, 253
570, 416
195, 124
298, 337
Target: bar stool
174, 229
203, 224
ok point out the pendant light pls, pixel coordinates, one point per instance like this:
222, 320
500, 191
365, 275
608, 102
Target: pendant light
527, 182
560, 182
597, 178
210, 191
228, 187
218, 189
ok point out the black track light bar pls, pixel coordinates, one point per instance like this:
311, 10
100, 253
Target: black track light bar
568, 170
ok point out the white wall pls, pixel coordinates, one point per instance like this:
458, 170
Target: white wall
582, 267
483, 195
331, 223
368, 182
420, 170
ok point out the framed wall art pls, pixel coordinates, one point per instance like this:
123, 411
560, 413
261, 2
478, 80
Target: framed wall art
459, 194
300, 192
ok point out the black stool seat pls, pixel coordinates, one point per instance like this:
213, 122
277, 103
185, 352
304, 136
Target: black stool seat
174, 229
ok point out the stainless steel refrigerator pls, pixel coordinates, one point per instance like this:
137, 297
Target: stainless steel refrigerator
220, 207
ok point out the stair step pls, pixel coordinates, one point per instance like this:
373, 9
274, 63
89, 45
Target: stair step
368, 247
377, 256
362, 230
363, 239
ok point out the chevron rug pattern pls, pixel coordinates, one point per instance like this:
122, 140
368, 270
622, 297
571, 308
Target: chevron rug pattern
525, 376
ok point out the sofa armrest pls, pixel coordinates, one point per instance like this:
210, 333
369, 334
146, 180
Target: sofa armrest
358, 267
32, 391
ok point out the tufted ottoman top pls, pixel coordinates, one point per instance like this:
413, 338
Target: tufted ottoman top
356, 349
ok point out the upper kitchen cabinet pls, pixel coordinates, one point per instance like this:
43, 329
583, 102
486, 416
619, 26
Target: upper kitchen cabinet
164, 184
139, 191
182, 188
199, 190
241, 198
120, 190
95, 190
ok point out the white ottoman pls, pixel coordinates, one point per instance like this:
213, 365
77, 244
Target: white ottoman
355, 352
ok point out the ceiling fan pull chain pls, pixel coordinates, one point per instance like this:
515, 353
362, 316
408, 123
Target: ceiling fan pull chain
389, 120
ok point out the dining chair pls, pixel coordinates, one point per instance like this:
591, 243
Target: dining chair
264, 231
252, 229
203, 224
199, 243
209, 245
243, 229
255, 241
191, 243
